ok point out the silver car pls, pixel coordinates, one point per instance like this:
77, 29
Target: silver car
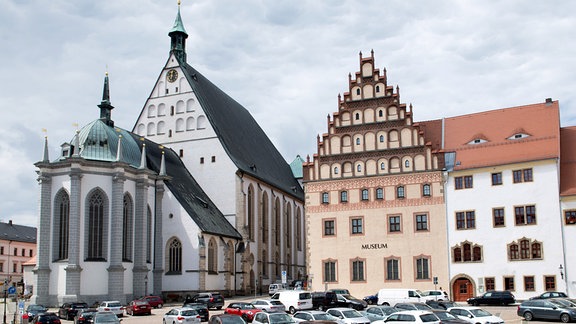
269, 305
348, 315
182, 315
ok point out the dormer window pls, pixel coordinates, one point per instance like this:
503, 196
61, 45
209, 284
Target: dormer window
518, 136
477, 141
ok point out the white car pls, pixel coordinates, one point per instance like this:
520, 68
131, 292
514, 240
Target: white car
113, 306
475, 315
269, 305
182, 315
273, 318
434, 295
413, 316
315, 315
348, 315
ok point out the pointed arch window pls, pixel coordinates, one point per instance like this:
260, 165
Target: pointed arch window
382, 166
127, 229
277, 221
61, 223
212, 257
148, 235
364, 194
174, 257
96, 249
381, 114
426, 190
250, 206
335, 170
357, 116
379, 193
264, 218
381, 136
377, 88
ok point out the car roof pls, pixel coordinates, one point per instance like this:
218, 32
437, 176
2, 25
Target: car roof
464, 307
414, 312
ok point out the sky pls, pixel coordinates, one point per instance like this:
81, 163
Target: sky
286, 61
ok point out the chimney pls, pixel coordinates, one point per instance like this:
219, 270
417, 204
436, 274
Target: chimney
548, 101
10, 222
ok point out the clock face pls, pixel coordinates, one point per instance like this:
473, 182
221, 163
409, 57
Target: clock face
172, 75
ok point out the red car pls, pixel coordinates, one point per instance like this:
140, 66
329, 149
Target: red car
139, 307
154, 301
246, 310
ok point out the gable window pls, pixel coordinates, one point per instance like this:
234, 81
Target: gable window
523, 175
357, 226
364, 194
467, 252
174, 257
380, 195
426, 190
392, 269
325, 198
421, 222
498, 217
422, 268
343, 196
525, 215
358, 270
329, 271
465, 220
394, 223
570, 217
329, 227
497, 178
400, 192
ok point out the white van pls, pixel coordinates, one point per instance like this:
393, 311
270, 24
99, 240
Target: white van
294, 300
391, 296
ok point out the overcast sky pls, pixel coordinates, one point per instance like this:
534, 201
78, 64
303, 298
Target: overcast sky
285, 61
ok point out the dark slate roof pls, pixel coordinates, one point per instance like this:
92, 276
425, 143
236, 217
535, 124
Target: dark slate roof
19, 233
187, 191
241, 136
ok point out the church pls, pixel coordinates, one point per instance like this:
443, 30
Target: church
195, 197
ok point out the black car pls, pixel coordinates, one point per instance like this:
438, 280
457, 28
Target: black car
441, 304
201, 308
46, 318
324, 299
226, 319
350, 301
447, 318
550, 309
210, 299
550, 294
33, 310
68, 310
371, 299
84, 316
493, 298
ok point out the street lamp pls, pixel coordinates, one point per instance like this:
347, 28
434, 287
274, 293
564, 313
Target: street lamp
561, 268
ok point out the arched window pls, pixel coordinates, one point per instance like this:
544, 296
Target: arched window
467, 252
335, 170
212, 257
148, 235
426, 190
357, 117
298, 230
201, 122
264, 263
513, 251
407, 163
277, 264
359, 168
277, 221
400, 192
127, 232
264, 217
457, 254
377, 88
358, 91
477, 254
381, 136
524, 249
61, 223
382, 166
358, 141
250, 208
364, 194
96, 227
536, 251
379, 193
174, 256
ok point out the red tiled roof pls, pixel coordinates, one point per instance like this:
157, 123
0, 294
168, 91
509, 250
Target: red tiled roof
540, 121
568, 161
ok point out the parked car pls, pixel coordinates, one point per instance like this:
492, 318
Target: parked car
434, 295
550, 294
346, 300
413, 316
246, 310
113, 306
447, 318
493, 298
444, 304
547, 309
105, 317
314, 315
202, 309
371, 299
85, 315
412, 306
46, 318
181, 315
226, 319
324, 299
273, 318
348, 315
269, 305
154, 301
211, 299
382, 311
372, 317
276, 287
139, 307
475, 315
68, 310
35, 309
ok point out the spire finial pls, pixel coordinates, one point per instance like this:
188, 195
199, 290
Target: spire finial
162, 164
143, 165
45, 158
119, 151
77, 144
178, 36
105, 106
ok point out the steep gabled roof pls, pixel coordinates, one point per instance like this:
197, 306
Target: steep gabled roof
245, 142
19, 233
568, 161
498, 127
187, 191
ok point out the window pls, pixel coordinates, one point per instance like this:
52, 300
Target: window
525, 249
325, 198
426, 190
498, 217
422, 268
380, 196
330, 271
62, 218
202, 160
30, 254
458, 184
1, 250
364, 194
148, 235
421, 222
356, 226
213, 158
335, 170
357, 139
529, 283
381, 138
358, 168
212, 257
525, 215
497, 178
358, 270
127, 229
570, 216
509, 283
513, 252
174, 257
343, 196
400, 192
524, 175
394, 223
96, 227
15, 252
457, 254
490, 283
329, 227
465, 219
465, 182
1, 267
407, 163
392, 269
15, 267
468, 183
23, 252
550, 283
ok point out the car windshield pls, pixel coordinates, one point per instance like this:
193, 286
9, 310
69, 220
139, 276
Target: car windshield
189, 312
323, 317
351, 313
562, 302
102, 318
478, 312
79, 305
276, 303
247, 306
116, 304
428, 318
36, 308
281, 318
232, 320
422, 306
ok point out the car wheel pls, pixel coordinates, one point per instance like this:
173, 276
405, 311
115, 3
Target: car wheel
292, 310
385, 304
565, 318
528, 316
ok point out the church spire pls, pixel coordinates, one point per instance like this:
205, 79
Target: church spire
178, 37
105, 106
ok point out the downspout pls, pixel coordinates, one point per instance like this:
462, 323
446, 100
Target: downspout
445, 196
